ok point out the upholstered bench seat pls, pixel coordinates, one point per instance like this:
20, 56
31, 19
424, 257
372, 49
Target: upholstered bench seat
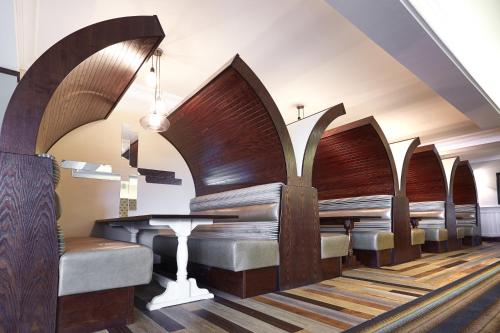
470, 231
230, 254
372, 240
417, 236
436, 234
92, 264
382, 213
460, 232
334, 245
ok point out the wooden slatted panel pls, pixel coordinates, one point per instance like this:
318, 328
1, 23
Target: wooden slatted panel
91, 90
464, 187
425, 180
352, 163
227, 137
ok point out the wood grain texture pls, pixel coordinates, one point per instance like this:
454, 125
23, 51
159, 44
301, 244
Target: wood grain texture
403, 251
83, 97
354, 160
464, 185
89, 312
406, 165
299, 238
426, 179
314, 138
28, 245
231, 133
331, 268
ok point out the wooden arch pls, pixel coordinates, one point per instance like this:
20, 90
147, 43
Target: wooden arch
231, 133
464, 188
314, 138
78, 80
406, 165
426, 178
354, 160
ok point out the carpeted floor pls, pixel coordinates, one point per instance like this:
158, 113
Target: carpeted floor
450, 292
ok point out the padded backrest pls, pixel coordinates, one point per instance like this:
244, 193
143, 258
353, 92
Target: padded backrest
359, 207
257, 208
466, 214
432, 213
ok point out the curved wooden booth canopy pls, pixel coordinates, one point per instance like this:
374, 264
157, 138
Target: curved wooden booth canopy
78, 80
231, 133
426, 179
464, 185
353, 160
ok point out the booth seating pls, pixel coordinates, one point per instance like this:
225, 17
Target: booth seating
242, 251
432, 221
466, 221
372, 239
97, 278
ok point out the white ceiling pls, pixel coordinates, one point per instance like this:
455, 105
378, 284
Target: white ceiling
303, 50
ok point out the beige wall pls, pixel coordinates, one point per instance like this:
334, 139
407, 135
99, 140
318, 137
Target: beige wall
85, 200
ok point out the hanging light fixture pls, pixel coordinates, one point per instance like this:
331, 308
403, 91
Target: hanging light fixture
300, 111
156, 120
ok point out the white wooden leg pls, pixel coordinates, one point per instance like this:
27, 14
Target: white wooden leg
183, 290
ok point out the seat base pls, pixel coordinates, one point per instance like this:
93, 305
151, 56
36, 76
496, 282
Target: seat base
472, 240
372, 258
331, 268
243, 284
405, 254
435, 246
95, 311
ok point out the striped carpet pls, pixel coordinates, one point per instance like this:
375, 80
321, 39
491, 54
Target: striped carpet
363, 299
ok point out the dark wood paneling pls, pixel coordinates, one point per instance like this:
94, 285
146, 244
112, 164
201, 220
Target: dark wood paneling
331, 268
464, 185
231, 133
354, 160
91, 90
406, 165
60, 79
314, 138
133, 154
95, 311
374, 258
426, 179
403, 250
28, 245
451, 226
435, 247
299, 238
160, 176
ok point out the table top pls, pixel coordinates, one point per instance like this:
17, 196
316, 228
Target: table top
142, 218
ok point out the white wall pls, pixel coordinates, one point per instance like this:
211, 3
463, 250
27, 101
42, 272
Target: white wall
485, 174
85, 200
8, 54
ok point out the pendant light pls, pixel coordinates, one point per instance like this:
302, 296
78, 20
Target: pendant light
156, 120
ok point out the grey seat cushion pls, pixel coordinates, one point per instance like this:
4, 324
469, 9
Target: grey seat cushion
92, 264
417, 236
334, 245
436, 234
372, 240
460, 232
470, 231
230, 254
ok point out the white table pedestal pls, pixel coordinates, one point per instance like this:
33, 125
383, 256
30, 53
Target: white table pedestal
183, 290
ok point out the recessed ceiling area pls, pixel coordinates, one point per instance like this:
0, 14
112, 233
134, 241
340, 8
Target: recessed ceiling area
305, 52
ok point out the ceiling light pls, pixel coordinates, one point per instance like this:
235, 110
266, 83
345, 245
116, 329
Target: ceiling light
156, 120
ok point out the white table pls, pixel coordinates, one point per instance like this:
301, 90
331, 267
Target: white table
183, 290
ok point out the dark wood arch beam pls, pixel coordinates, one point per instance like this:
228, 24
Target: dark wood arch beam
231, 133
406, 165
314, 137
55, 96
354, 160
426, 178
78, 80
464, 184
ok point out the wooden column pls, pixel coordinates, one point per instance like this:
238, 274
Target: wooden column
28, 245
